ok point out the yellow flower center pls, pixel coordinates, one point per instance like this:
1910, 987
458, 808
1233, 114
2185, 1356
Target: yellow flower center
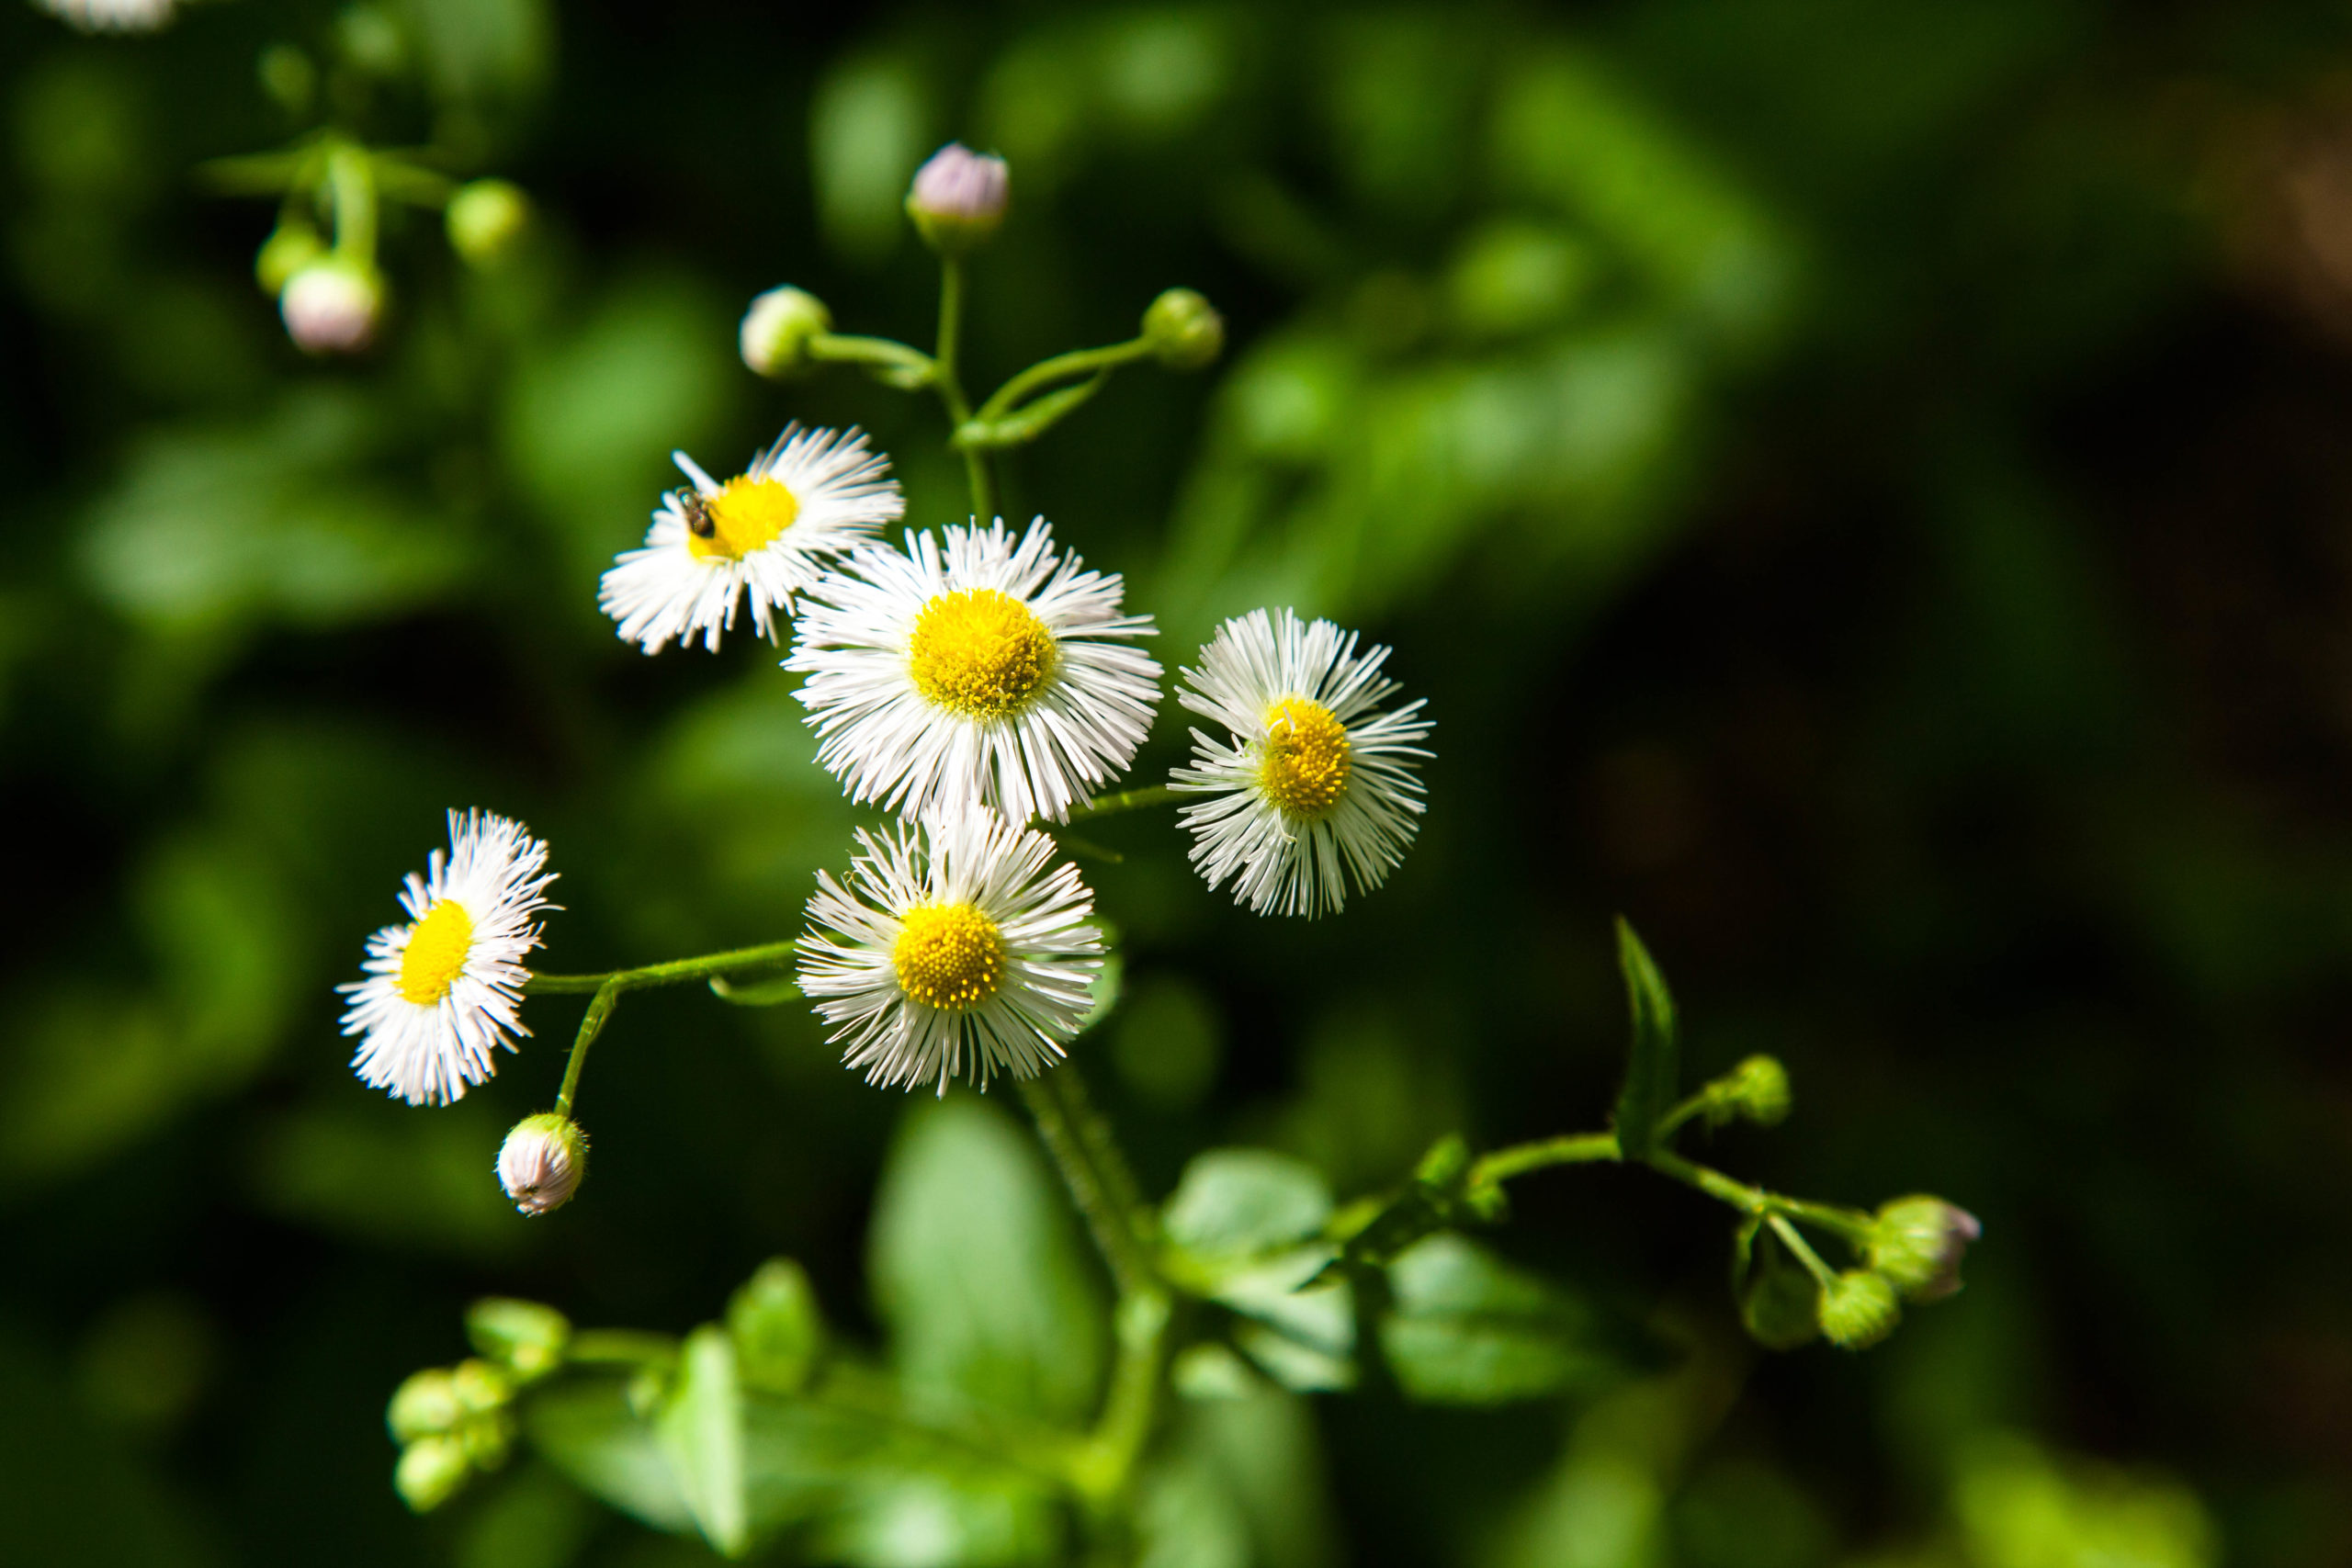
436, 950
980, 653
1304, 766
948, 956
746, 515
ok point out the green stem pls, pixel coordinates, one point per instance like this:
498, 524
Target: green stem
1125, 800
1096, 1194
1806, 1255
894, 362
1060, 368
607, 990
592, 1024
948, 380
1570, 1149
351, 182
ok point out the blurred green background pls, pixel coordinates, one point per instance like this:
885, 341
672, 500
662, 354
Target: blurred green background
1863, 484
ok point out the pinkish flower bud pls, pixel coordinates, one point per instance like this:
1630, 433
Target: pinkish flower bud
1917, 1243
542, 1161
958, 197
331, 306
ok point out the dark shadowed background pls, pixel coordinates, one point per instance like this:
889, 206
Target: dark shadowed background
1865, 487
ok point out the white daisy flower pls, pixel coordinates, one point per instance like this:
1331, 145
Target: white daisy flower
952, 952
813, 495
441, 991
992, 670
110, 16
1314, 790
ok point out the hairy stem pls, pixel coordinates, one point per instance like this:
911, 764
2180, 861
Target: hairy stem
1060, 368
947, 378
1570, 1149
1125, 800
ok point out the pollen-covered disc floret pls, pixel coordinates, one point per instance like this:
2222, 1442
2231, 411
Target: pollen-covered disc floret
951, 951
441, 990
771, 530
990, 670
1312, 790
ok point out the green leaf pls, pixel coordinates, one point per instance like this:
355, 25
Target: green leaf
700, 1429
1466, 1328
755, 993
584, 1426
1652, 1069
942, 1521
778, 1330
1236, 1204
976, 1270
1303, 1334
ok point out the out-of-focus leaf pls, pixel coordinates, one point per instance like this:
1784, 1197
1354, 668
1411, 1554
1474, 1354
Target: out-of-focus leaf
1263, 1450
392, 1174
1185, 1517
1233, 1205
1303, 1339
1652, 1067
276, 520
484, 49
2018, 1507
777, 1329
976, 1269
1168, 1042
532, 1519
1464, 1328
585, 1426
868, 127
700, 1431
942, 1521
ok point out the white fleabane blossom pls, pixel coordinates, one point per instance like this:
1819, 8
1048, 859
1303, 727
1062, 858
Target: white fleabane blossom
951, 951
1312, 790
991, 671
773, 530
110, 16
441, 991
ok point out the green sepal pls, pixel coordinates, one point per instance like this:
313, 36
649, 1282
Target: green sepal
1652, 1069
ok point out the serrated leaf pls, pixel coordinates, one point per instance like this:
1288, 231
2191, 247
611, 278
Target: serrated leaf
1465, 1327
1653, 1067
700, 1429
977, 1272
1235, 1204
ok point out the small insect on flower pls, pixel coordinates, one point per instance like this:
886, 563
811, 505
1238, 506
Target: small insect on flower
994, 671
772, 529
951, 951
441, 990
1313, 791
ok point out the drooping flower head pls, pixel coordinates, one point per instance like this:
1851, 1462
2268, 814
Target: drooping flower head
1313, 790
441, 991
771, 530
992, 670
952, 952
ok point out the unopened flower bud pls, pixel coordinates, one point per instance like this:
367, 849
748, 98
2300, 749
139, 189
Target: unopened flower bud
776, 330
425, 1405
1917, 1243
1858, 1309
332, 305
1184, 331
524, 1336
958, 198
542, 1161
485, 218
291, 246
481, 1386
1781, 1304
1757, 1090
430, 1472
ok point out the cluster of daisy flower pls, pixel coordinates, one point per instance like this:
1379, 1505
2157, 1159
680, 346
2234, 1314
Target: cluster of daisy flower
976, 682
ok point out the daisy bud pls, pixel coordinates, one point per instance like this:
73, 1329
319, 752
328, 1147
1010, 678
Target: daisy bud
290, 247
430, 1472
332, 305
776, 330
542, 1161
958, 198
485, 218
1781, 1306
425, 1405
1858, 1309
1758, 1091
524, 1336
1184, 331
1917, 1243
